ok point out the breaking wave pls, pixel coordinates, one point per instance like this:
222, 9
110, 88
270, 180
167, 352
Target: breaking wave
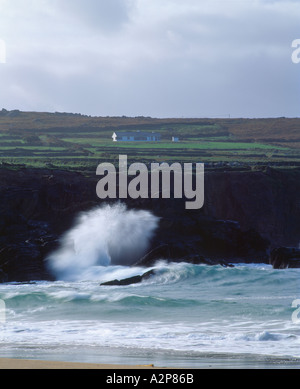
109, 235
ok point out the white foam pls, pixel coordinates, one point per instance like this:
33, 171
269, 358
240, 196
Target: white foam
109, 235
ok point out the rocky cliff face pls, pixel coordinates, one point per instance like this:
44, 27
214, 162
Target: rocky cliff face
245, 214
265, 200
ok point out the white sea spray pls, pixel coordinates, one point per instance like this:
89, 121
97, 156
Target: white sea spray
108, 235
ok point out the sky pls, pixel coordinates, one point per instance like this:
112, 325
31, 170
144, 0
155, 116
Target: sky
158, 58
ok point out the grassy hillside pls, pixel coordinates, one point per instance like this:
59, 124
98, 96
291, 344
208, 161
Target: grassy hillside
79, 142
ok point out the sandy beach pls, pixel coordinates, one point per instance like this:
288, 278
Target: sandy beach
6, 363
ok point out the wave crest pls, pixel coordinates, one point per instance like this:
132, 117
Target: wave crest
109, 235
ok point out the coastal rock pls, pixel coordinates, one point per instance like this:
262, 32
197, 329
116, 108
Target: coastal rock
36, 207
285, 257
131, 280
264, 199
161, 252
245, 214
170, 254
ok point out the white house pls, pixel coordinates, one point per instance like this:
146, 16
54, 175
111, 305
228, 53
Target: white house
135, 136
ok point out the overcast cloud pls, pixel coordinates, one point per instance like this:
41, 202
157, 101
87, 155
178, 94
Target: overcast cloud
159, 58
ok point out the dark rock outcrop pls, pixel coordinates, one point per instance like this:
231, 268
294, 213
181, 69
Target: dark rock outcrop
36, 207
244, 215
162, 252
265, 200
168, 253
131, 280
285, 257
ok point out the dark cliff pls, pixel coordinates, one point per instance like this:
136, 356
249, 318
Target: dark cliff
244, 216
265, 200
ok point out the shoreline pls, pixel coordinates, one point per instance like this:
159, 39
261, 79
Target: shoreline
28, 364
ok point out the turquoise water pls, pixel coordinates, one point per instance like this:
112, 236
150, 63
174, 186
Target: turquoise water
184, 316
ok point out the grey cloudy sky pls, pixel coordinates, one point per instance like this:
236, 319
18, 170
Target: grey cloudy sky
159, 58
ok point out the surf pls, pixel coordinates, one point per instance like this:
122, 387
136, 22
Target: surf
111, 235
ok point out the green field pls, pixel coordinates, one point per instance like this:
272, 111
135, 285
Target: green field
201, 145
81, 143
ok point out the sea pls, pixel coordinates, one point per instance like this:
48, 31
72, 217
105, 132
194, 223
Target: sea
184, 316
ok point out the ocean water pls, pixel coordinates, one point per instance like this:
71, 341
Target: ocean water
184, 316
